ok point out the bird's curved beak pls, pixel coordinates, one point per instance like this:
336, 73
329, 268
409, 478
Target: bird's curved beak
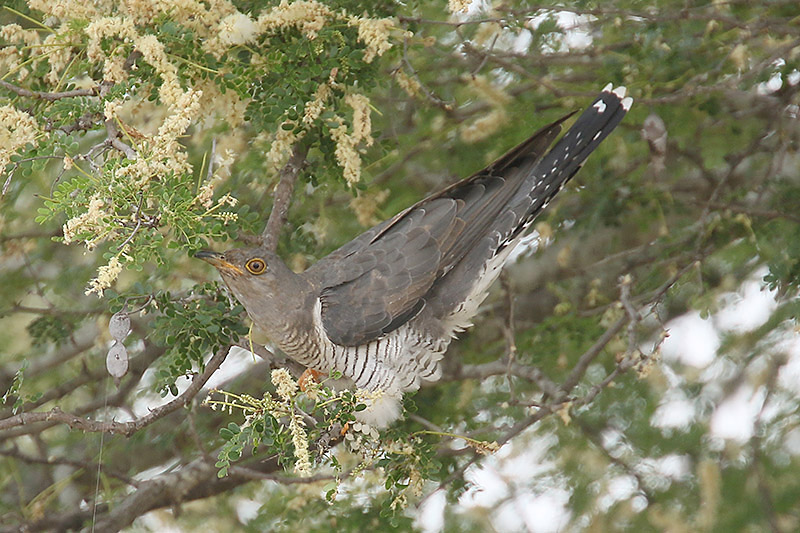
217, 260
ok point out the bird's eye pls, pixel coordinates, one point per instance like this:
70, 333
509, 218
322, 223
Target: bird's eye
256, 266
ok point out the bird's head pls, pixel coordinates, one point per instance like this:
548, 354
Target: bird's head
254, 275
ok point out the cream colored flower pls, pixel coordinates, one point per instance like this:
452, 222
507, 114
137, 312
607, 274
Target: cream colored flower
458, 6
365, 206
281, 145
309, 17
17, 129
346, 154
362, 124
302, 456
106, 275
153, 52
374, 33
484, 126
205, 196
234, 30
73, 9
285, 385
410, 85
315, 107
89, 221
102, 28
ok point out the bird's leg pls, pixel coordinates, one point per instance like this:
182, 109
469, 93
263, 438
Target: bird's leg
309, 374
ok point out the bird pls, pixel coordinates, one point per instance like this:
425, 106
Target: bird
382, 309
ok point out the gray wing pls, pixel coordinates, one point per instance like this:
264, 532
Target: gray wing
379, 281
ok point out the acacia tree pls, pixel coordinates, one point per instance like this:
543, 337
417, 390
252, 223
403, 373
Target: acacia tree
134, 133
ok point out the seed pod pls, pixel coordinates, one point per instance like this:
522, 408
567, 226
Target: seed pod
119, 326
117, 360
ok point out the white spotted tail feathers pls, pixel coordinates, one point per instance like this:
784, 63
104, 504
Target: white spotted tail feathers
585, 135
567, 156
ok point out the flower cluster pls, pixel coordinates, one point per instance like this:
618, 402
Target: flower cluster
375, 34
286, 388
282, 144
308, 16
409, 84
89, 222
234, 30
316, 106
365, 206
347, 155
458, 6
106, 275
489, 123
362, 124
17, 129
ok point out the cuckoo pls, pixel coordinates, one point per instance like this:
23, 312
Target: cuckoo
383, 308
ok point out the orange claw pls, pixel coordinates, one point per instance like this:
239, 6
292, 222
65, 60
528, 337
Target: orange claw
309, 374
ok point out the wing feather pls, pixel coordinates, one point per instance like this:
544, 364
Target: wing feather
377, 282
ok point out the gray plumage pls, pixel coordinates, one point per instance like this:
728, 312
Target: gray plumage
383, 308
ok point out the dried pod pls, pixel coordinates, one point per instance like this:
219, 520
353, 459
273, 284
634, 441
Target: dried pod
117, 360
119, 326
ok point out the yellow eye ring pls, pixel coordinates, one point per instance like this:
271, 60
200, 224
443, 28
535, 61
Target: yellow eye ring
256, 266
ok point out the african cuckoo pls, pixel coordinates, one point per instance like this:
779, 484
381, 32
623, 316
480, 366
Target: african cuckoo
383, 308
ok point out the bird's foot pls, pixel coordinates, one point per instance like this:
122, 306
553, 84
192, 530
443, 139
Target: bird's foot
309, 375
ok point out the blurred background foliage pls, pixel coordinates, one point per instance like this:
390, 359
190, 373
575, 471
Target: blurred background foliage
685, 220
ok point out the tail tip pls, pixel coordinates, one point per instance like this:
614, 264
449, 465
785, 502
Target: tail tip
620, 93
627, 102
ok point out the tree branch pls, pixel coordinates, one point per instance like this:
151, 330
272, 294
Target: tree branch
50, 97
115, 141
283, 195
120, 428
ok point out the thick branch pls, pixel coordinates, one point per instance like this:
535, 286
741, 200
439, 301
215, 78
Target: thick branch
121, 428
115, 141
50, 97
196, 480
283, 195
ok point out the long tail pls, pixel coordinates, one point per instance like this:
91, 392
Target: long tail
564, 160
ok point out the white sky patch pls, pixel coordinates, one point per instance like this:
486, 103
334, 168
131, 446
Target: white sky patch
246, 509
522, 42
576, 35
674, 412
575, 26
748, 308
734, 418
236, 363
543, 513
791, 443
620, 488
488, 488
153, 521
789, 374
692, 341
672, 466
430, 516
